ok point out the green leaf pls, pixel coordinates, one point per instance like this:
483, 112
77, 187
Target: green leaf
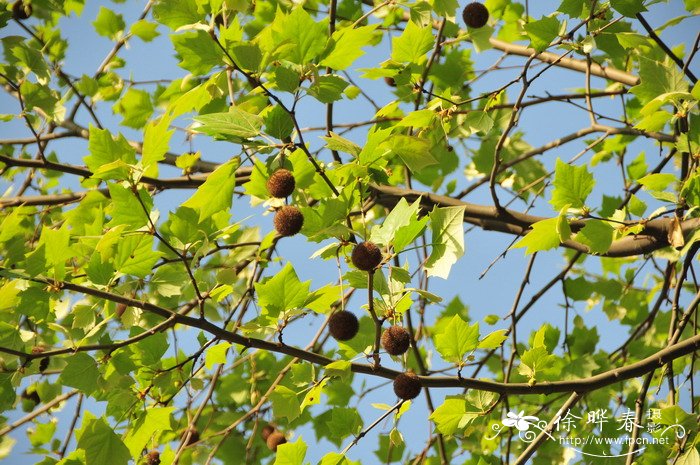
135, 255
328, 88
534, 360
108, 23
81, 373
334, 458
628, 8
247, 56
478, 121
412, 45
126, 208
657, 79
573, 8
447, 227
235, 122
347, 46
542, 32
144, 30
291, 453
493, 340
313, 395
278, 123
413, 151
344, 422
176, 13
597, 235
156, 142
100, 443
453, 415
282, 292
572, 185
401, 216
457, 339
285, 403
339, 368
336, 142
108, 157
418, 119
543, 236
298, 37
136, 107
216, 354
692, 457
197, 51
216, 194
153, 420
657, 181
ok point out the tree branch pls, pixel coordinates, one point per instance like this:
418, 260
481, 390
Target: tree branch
660, 358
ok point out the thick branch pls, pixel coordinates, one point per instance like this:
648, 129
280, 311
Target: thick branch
660, 358
654, 236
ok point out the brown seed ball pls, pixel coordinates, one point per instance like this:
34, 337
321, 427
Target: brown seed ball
288, 220
32, 396
343, 325
38, 349
21, 11
366, 256
153, 458
475, 15
407, 386
194, 437
281, 184
396, 340
390, 81
275, 439
119, 311
267, 431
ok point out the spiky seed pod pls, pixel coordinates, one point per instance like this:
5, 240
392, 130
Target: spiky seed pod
475, 15
396, 340
281, 184
267, 431
275, 439
21, 11
288, 220
366, 256
343, 325
407, 385
153, 458
390, 81
43, 364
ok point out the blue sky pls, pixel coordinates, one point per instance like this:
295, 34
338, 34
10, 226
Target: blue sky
491, 295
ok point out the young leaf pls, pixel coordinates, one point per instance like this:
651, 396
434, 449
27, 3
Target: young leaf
457, 339
572, 185
291, 453
100, 443
235, 122
542, 32
453, 415
447, 226
216, 194
81, 373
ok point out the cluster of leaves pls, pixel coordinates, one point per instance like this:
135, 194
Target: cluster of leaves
174, 329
